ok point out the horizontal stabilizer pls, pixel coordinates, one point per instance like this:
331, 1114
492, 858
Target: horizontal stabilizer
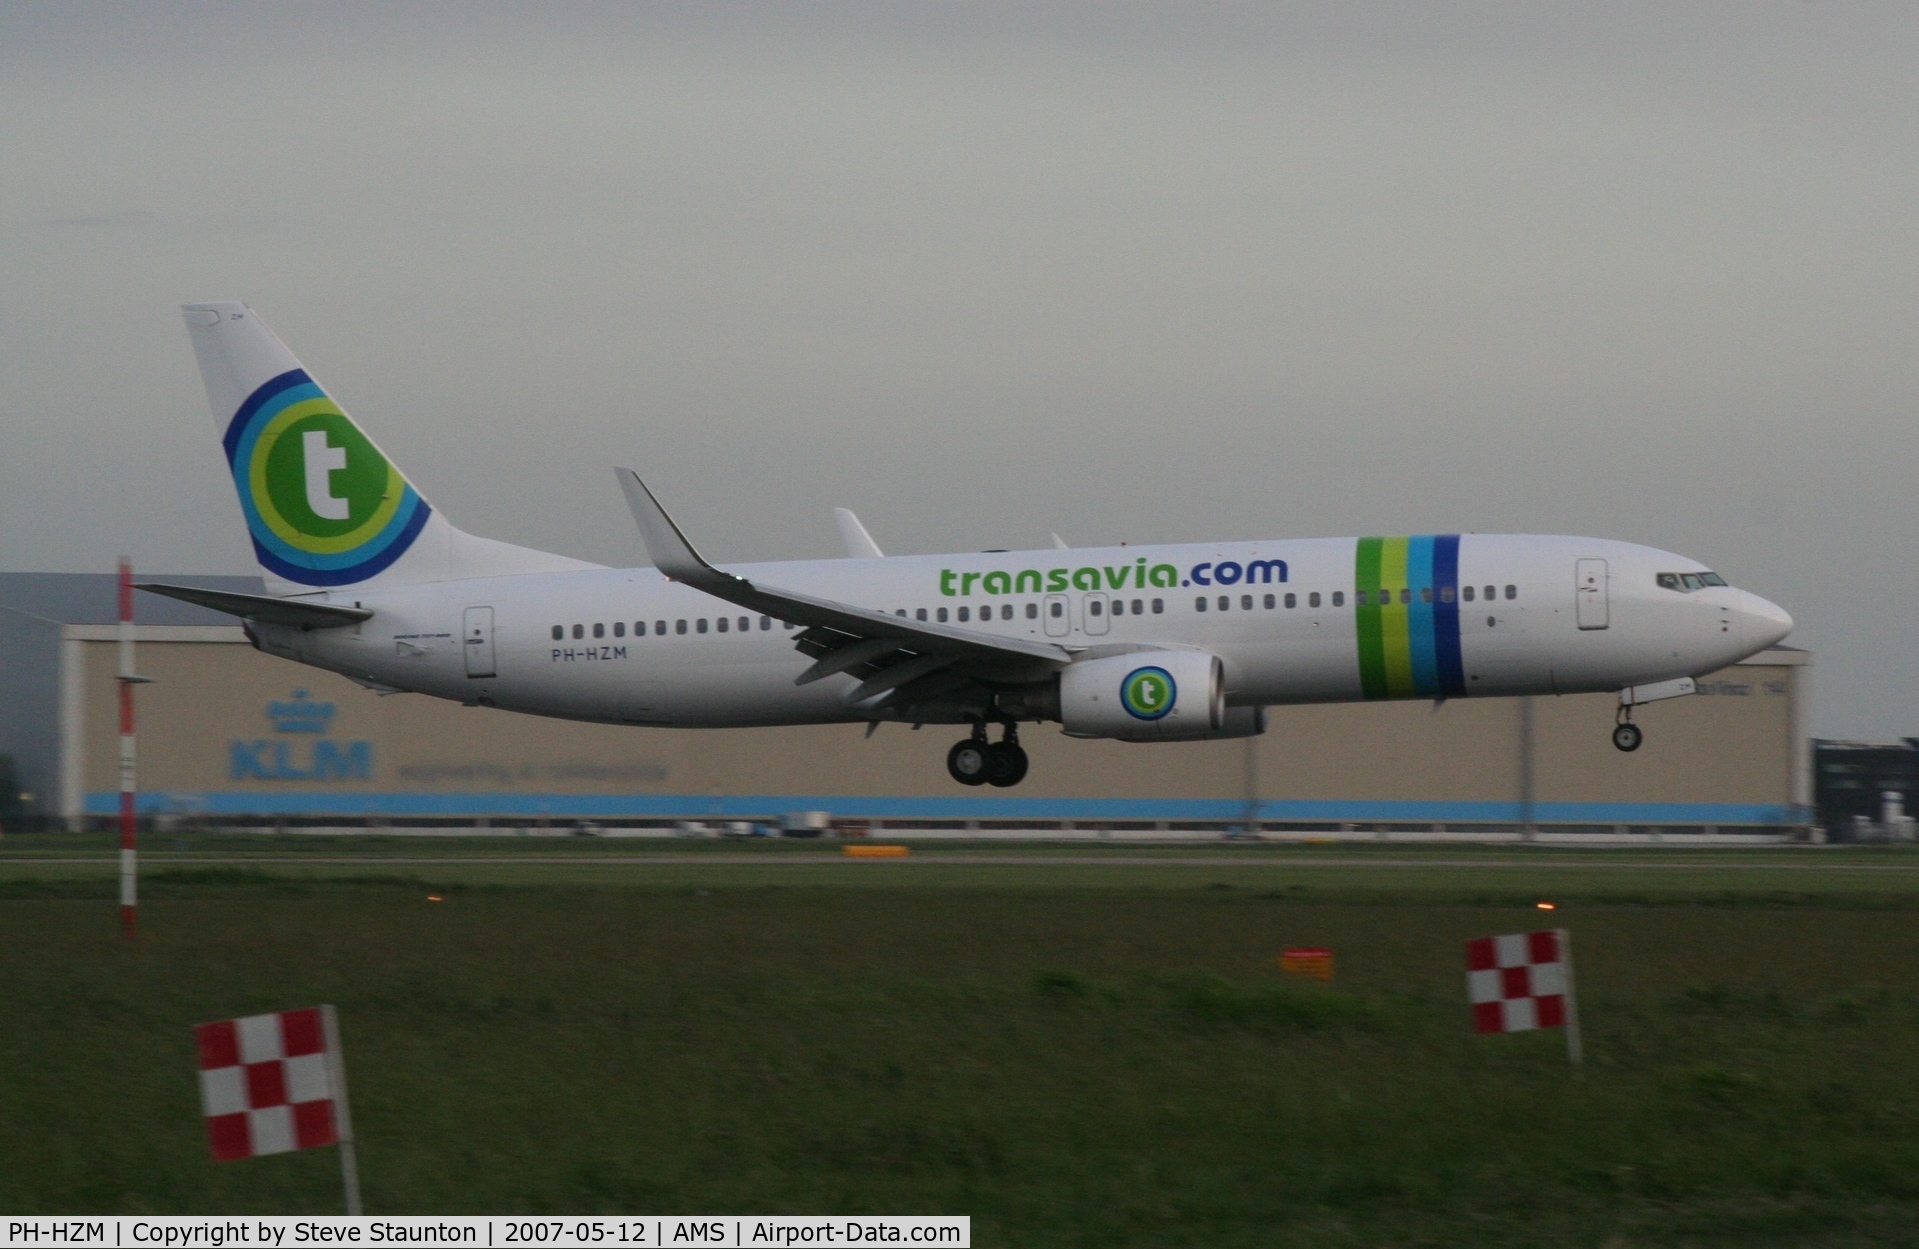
280, 611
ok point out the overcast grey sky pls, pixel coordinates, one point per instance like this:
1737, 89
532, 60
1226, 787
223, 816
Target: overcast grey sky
1644, 271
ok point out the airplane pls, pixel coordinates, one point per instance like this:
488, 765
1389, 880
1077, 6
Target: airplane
1161, 643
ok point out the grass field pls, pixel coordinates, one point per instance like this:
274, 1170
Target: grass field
1087, 1047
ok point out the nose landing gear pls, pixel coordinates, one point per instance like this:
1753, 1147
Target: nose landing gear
976, 761
1625, 734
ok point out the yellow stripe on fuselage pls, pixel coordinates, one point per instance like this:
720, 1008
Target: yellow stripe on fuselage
1394, 623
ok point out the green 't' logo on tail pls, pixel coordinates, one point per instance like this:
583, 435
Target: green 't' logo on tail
324, 506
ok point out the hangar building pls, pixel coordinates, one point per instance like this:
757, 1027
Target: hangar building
235, 735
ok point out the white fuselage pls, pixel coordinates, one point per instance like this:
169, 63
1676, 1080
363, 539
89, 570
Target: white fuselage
492, 640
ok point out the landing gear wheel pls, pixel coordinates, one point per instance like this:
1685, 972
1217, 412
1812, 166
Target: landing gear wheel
970, 762
1627, 736
1005, 765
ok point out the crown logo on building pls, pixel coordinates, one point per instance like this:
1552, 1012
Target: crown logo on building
300, 714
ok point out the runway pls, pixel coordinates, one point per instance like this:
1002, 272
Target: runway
160, 858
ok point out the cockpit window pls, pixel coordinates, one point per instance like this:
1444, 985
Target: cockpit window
1686, 582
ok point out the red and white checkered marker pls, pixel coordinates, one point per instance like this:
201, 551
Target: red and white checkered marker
273, 1083
1523, 981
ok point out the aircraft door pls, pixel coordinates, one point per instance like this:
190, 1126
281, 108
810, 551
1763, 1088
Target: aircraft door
1589, 591
476, 639
1093, 613
1059, 616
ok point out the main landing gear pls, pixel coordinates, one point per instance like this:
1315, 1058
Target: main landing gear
977, 761
1625, 734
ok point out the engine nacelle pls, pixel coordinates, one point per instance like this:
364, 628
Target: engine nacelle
1145, 696
1239, 722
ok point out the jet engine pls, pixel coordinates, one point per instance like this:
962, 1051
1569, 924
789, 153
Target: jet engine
1148, 696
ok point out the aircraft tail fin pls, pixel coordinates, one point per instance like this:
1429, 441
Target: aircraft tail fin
325, 507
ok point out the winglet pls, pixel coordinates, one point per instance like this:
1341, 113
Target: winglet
859, 543
672, 554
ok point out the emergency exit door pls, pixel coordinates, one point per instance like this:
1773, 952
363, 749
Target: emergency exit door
1059, 616
1093, 613
477, 641
1589, 593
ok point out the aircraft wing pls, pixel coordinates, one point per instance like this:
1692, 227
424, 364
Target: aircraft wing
280, 611
888, 652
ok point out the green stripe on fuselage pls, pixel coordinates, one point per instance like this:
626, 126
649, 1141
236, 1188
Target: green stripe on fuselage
1366, 619
1381, 620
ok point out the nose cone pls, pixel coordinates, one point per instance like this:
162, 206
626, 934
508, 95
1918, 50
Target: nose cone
1762, 624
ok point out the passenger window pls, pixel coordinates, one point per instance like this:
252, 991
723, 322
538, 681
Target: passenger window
659, 627
788, 624
1405, 595
1092, 607
1159, 606
920, 614
1312, 600
901, 612
1360, 598
1224, 602
1270, 602
1425, 594
1292, 601
747, 623
599, 630
766, 622
1006, 611
679, 626
701, 624
1246, 602
965, 614
1446, 594
579, 631
1119, 607
1059, 609
1466, 592
1339, 598
559, 631
1032, 612
722, 623
1199, 604
619, 628
1512, 591
1492, 592
942, 615
1137, 607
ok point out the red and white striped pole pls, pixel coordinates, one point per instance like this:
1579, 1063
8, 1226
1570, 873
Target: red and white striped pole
128, 891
